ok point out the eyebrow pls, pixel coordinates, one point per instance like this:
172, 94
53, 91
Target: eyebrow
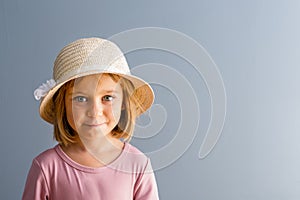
103, 91
110, 91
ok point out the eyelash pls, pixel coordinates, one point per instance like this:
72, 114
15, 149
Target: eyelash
106, 98
80, 97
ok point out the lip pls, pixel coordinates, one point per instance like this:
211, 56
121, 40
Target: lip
94, 124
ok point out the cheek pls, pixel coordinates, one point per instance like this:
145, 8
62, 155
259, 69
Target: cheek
116, 111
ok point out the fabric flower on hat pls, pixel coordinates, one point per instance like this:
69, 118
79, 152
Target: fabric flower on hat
43, 89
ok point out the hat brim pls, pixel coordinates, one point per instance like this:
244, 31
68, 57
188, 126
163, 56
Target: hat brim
143, 93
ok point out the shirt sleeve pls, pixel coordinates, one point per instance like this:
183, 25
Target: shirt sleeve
36, 186
145, 187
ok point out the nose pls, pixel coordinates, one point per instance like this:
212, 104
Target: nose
95, 109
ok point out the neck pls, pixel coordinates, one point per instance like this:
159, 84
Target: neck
94, 153
100, 145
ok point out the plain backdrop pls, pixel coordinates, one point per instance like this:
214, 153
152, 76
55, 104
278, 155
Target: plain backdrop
255, 45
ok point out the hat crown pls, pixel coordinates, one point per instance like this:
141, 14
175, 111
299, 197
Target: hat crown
89, 55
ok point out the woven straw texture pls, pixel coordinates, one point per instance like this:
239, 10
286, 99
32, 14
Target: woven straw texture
92, 56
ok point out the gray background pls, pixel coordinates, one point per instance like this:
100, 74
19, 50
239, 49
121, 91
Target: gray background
256, 47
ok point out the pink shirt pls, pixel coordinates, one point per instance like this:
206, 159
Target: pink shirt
53, 175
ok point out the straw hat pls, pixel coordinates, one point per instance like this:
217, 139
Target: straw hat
85, 57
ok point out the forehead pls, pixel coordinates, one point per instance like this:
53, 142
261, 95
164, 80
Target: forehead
96, 82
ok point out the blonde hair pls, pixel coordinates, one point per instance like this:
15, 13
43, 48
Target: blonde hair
64, 133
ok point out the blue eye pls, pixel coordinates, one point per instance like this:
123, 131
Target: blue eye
108, 98
80, 99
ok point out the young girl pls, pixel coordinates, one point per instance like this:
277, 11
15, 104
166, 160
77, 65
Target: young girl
92, 103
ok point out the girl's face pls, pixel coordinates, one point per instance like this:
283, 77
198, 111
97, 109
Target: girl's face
93, 105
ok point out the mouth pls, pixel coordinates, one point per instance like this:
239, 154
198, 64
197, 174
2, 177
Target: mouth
95, 124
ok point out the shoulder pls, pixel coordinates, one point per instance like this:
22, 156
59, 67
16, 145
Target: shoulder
132, 160
47, 154
130, 148
47, 158
134, 153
